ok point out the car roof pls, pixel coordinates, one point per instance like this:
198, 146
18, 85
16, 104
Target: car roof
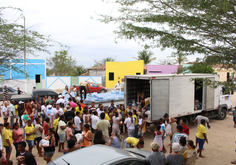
39, 90
93, 155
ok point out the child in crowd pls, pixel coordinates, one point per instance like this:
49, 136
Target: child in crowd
190, 155
182, 144
163, 132
158, 136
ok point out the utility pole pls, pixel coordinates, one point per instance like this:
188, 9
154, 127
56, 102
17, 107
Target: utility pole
24, 50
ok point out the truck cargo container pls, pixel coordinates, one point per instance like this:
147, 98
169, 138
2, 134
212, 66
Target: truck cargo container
177, 95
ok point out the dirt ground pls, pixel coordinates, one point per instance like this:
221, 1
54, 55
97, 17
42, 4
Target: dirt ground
219, 151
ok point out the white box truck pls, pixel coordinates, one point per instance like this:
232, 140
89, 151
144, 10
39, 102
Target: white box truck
178, 95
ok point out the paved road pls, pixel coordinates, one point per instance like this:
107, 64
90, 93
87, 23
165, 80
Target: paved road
219, 151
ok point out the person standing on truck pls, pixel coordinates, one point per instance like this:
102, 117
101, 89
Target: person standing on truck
122, 85
172, 121
82, 87
19, 92
117, 86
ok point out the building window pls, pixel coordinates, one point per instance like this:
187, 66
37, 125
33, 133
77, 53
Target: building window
157, 71
138, 73
111, 76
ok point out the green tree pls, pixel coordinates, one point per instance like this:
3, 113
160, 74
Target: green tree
61, 64
15, 39
146, 56
103, 61
205, 26
78, 70
108, 59
165, 61
180, 58
200, 67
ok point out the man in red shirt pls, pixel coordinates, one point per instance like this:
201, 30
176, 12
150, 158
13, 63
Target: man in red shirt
184, 125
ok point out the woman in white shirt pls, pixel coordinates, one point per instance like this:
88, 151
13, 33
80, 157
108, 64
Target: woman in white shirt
61, 132
130, 124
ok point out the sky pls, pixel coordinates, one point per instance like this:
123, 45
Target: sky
69, 22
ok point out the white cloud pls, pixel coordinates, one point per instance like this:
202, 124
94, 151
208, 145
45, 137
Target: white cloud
70, 23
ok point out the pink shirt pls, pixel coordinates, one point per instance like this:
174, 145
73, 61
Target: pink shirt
18, 132
72, 104
68, 133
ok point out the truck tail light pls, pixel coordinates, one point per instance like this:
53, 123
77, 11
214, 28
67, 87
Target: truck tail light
153, 77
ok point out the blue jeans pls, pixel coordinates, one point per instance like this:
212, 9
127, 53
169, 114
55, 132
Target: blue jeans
126, 145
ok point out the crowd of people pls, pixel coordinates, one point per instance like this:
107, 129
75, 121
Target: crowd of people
50, 122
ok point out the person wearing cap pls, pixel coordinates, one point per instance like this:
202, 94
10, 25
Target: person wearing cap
21, 111
112, 105
129, 109
83, 86
92, 106
175, 158
49, 110
60, 100
30, 135
156, 157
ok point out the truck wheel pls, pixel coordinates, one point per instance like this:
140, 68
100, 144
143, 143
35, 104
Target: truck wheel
222, 114
102, 91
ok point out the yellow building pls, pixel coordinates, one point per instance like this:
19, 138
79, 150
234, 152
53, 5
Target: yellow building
117, 70
224, 74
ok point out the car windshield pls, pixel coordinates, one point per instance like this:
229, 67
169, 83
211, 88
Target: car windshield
11, 89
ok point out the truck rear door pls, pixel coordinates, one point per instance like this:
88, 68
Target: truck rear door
159, 98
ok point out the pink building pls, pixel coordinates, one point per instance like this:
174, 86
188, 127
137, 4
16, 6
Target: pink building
162, 69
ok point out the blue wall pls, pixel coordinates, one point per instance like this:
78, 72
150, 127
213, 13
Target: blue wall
33, 67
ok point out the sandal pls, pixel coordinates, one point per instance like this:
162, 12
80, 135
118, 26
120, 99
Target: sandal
234, 162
